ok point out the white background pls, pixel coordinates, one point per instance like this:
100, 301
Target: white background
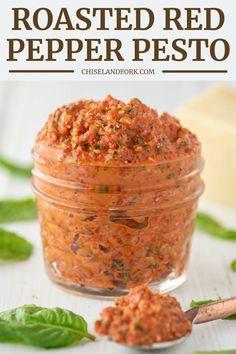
24, 108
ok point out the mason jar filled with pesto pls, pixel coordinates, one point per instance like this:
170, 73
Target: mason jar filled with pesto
117, 187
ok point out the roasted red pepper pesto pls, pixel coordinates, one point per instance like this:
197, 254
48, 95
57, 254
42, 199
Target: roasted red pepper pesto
116, 133
117, 188
143, 318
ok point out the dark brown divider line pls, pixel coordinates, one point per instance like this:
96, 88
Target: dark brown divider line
40, 71
194, 71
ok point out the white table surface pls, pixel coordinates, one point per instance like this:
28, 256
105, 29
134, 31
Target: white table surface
21, 283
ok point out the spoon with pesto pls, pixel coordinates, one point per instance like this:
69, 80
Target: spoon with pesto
144, 320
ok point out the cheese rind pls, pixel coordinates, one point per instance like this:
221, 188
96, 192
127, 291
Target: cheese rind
212, 116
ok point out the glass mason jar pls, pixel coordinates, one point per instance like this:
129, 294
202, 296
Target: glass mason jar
106, 229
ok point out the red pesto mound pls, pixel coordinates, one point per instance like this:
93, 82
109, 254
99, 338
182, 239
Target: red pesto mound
143, 318
116, 133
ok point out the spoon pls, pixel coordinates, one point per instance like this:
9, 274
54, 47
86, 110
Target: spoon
201, 314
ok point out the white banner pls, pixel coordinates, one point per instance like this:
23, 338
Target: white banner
110, 40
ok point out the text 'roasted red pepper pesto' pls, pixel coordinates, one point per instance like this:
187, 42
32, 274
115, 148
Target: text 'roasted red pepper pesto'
144, 318
117, 187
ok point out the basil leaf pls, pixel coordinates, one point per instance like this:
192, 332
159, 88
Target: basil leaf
12, 210
208, 224
230, 351
16, 169
42, 327
233, 265
194, 303
14, 247
199, 303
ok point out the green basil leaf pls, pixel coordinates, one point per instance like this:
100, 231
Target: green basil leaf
199, 303
14, 247
233, 265
230, 351
194, 303
42, 327
210, 225
13, 210
16, 169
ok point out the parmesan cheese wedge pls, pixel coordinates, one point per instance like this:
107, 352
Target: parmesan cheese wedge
212, 117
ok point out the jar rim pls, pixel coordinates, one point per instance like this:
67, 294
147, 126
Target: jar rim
83, 186
146, 164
